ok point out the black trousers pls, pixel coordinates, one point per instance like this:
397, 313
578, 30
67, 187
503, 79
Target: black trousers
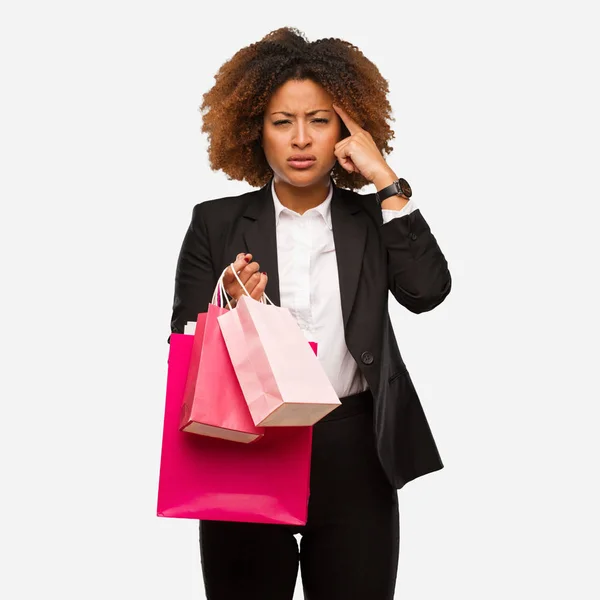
350, 543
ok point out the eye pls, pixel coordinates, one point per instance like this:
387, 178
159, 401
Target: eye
314, 121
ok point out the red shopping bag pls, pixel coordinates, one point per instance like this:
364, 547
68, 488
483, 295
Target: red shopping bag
214, 479
214, 404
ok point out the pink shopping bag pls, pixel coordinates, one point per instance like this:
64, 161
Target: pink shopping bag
283, 382
214, 404
213, 479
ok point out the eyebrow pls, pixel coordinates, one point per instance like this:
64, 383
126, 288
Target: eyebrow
312, 112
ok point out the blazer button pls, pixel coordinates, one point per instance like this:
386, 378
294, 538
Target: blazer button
413, 236
367, 358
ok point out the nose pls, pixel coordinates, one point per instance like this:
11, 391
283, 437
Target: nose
301, 137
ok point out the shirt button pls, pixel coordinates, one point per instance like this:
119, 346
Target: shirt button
367, 358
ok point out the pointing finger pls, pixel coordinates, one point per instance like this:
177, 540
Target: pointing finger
349, 122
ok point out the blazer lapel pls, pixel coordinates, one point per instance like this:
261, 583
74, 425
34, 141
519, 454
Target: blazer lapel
349, 235
261, 238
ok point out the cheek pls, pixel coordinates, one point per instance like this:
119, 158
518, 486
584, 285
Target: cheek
336, 133
273, 142
269, 148
333, 139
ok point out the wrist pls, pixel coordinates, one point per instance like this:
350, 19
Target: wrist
394, 203
384, 178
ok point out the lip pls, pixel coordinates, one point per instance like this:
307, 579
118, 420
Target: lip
302, 161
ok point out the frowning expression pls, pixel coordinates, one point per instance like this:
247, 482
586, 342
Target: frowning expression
300, 130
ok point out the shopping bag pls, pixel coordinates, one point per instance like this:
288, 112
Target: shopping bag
214, 404
282, 380
213, 479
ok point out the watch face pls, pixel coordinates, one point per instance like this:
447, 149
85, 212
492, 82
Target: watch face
405, 187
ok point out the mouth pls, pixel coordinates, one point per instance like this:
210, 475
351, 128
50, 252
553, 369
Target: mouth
301, 162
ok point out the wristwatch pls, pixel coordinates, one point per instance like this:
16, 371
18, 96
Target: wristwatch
399, 187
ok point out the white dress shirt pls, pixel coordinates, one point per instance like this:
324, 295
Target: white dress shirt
309, 285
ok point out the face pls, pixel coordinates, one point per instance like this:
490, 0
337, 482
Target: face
300, 121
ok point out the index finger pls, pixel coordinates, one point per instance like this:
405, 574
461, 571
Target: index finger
239, 264
349, 122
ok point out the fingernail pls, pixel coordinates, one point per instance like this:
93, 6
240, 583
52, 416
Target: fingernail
265, 272
247, 259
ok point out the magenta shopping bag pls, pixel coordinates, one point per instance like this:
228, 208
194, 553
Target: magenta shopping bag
206, 478
214, 404
283, 382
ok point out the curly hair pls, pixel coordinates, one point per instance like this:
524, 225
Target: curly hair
233, 108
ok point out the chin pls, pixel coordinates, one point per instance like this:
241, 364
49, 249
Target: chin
306, 177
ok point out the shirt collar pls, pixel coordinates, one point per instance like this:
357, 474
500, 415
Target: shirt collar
324, 209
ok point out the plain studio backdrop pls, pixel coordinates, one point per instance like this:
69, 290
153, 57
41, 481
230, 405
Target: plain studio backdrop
102, 161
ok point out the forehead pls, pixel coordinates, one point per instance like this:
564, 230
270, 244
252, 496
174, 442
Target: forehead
299, 96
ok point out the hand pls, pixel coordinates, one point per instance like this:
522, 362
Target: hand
358, 153
254, 281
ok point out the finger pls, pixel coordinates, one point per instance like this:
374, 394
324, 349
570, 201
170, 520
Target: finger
345, 161
349, 122
248, 271
251, 284
233, 287
343, 150
348, 166
360, 140
241, 261
343, 143
259, 290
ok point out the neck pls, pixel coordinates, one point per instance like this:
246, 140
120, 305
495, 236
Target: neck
301, 199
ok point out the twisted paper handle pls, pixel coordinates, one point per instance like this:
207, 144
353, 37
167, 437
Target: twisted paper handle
220, 296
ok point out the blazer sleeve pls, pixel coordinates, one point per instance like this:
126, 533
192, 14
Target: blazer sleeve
195, 278
418, 274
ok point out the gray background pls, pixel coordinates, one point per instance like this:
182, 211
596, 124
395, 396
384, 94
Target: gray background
102, 160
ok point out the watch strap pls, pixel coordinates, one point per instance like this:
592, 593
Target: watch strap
396, 188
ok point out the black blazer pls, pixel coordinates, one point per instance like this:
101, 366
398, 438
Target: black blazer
401, 256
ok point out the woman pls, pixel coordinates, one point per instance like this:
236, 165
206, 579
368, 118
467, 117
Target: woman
306, 122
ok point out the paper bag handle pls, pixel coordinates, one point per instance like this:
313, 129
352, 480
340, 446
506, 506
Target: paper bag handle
264, 298
220, 295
